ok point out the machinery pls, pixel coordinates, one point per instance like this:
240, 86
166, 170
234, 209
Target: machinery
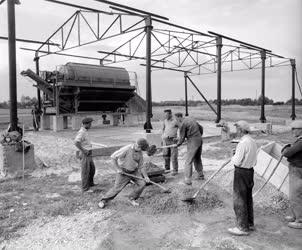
79, 88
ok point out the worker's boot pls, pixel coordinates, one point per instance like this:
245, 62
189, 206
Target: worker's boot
296, 224
290, 218
237, 231
167, 163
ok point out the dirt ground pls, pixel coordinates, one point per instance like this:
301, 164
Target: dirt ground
49, 211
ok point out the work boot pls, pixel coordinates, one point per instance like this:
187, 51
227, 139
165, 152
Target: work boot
295, 224
200, 177
290, 218
102, 204
237, 231
252, 228
167, 163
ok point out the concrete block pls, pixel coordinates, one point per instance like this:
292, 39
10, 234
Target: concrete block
266, 127
65, 122
267, 159
11, 162
45, 122
76, 122
58, 123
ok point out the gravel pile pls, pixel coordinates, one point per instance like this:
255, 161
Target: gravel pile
156, 202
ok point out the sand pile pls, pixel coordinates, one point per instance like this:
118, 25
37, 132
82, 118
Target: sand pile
156, 202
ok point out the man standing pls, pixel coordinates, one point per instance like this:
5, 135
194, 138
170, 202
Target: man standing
169, 137
191, 130
36, 117
293, 153
128, 160
244, 160
83, 143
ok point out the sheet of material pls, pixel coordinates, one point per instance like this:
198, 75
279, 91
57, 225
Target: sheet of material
267, 159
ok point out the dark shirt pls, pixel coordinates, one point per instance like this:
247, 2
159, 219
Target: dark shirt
190, 129
293, 153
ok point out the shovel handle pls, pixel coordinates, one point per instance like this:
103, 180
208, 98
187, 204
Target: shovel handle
140, 178
212, 176
270, 176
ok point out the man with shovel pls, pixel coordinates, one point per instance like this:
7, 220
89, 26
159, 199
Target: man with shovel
83, 143
192, 131
128, 162
293, 153
244, 160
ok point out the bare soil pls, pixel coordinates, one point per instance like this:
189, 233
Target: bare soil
51, 212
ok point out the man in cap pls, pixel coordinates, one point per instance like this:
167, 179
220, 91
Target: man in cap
293, 153
129, 160
169, 137
244, 160
83, 143
192, 131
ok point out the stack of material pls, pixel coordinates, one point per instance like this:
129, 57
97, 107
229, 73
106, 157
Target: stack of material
155, 172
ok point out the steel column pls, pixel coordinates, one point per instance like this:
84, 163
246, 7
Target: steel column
219, 47
12, 64
148, 30
186, 94
37, 60
293, 64
263, 58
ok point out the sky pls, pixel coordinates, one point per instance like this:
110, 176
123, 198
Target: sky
272, 24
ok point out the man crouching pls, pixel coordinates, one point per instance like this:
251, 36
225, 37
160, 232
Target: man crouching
129, 160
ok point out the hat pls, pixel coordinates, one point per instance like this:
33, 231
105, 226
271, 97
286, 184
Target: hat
296, 124
179, 114
243, 125
87, 120
142, 143
168, 110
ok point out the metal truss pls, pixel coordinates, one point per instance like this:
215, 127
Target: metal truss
162, 45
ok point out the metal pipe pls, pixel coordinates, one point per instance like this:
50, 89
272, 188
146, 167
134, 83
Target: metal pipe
293, 64
263, 57
12, 64
148, 30
219, 47
37, 60
186, 93
29, 41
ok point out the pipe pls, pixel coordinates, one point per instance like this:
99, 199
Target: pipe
186, 93
148, 30
293, 64
263, 57
12, 64
219, 47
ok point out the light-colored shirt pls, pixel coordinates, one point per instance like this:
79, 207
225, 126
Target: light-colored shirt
83, 138
128, 158
246, 153
170, 128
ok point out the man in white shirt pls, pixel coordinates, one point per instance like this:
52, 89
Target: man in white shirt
169, 137
83, 143
244, 160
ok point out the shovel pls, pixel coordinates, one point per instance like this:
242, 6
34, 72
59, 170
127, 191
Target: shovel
154, 183
191, 199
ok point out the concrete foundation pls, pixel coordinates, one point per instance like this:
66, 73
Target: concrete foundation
45, 122
76, 122
11, 162
58, 123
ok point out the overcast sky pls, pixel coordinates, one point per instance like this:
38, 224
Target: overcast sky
272, 24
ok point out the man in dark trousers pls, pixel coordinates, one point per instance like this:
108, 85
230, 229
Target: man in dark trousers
244, 160
83, 143
128, 160
169, 137
36, 117
293, 153
192, 131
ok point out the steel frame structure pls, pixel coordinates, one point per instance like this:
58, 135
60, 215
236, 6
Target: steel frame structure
163, 46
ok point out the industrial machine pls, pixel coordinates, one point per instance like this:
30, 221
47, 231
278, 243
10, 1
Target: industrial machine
79, 88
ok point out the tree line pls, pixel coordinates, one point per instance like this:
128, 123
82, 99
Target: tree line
242, 102
25, 102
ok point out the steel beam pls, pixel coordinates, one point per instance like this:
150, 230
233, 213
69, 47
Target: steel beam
186, 94
148, 30
293, 65
29, 41
219, 47
12, 64
37, 61
263, 58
